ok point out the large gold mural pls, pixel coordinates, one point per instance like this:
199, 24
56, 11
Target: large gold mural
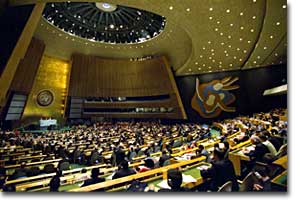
211, 98
48, 94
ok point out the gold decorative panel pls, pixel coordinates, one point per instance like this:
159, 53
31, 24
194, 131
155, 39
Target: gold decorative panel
52, 76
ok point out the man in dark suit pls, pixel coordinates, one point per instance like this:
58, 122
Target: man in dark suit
259, 150
174, 181
120, 155
164, 157
95, 179
222, 171
124, 170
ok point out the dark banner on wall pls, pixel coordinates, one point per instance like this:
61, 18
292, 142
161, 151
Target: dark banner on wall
244, 93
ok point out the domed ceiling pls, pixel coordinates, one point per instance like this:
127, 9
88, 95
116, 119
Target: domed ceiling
104, 22
197, 36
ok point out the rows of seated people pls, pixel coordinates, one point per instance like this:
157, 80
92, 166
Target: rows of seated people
118, 145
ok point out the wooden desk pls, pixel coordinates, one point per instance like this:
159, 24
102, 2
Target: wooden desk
128, 179
235, 157
283, 162
33, 163
280, 180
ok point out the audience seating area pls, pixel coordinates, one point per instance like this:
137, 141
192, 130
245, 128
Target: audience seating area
113, 157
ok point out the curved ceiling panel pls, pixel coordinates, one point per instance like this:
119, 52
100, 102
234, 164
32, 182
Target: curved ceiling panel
272, 38
62, 45
199, 36
104, 22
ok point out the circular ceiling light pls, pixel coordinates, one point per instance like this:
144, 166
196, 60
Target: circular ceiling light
104, 22
106, 7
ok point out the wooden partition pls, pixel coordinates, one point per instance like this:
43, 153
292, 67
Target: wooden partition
28, 67
93, 76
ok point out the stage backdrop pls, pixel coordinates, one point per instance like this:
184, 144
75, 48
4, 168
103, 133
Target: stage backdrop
47, 97
246, 95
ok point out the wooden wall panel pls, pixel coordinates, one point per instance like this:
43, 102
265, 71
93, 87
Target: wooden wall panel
28, 67
99, 77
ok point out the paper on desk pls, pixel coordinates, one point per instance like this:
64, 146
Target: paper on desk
203, 167
110, 176
164, 184
180, 158
185, 179
188, 179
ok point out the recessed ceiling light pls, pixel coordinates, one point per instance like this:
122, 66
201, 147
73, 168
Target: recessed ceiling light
196, 63
230, 65
220, 62
245, 51
284, 6
242, 28
277, 23
203, 65
271, 36
188, 9
254, 17
254, 62
237, 49
231, 24
241, 13
229, 46
241, 39
201, 56
276, 54
265, 48
190, 70
209, 42
209, 58
227, 54
229, 36
218, 22
203, 48
212, 54
212, 50
221, 33
228, 11
254, 1
249, 41
213, 61
220, 66
210, 18
209, 67
225, 51
258, 57
216, 29
222, 43
240, 59
171, 7
199, 68
234, 57
252, 30
211, 9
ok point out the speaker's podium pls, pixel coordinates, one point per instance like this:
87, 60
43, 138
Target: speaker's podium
48, 124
